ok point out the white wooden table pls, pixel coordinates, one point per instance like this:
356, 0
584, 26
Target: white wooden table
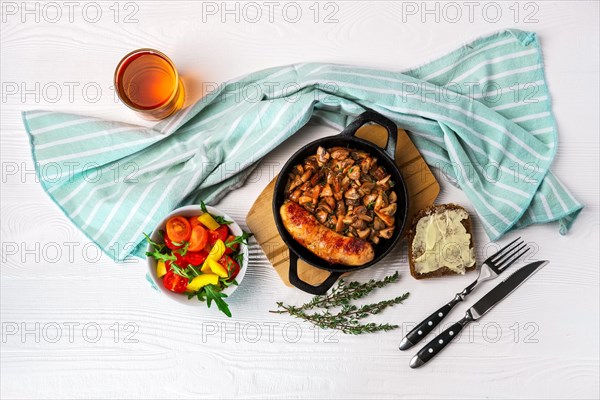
75, 324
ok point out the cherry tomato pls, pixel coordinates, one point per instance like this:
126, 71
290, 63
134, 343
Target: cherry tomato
194, 222
196, 258
175, 283
220, 233
198, 239
170, 245
232, 267
235, 247
178, 229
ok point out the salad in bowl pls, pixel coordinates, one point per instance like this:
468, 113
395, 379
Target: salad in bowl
198, 254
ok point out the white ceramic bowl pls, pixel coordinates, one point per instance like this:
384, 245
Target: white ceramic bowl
190, 211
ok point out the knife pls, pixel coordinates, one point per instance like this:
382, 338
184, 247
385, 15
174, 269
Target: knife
485, 304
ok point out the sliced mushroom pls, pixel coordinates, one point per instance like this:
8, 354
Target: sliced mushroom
360, 210
380, 202
386, 233
384, 181
324, 207
339, 153
305, 186
369, 200
315, 191
349, 219
352, 194
359, 224
322, 155
330, 201
345, 183
330, 177
393, 197
354, 173
389, 210
304, 200
365, 165
297, 181
339, 226
365, 217
316, 178
337, 189
387, 219
295, 195
366, 188
378, 224
306, 175
340, 208
357, 154
364, 233
322, 216
378, 173
326, 191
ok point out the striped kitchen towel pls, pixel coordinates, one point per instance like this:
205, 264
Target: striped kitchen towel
481, 114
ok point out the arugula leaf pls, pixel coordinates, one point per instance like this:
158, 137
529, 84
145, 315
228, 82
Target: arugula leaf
159, 253
220, 220
183, 251
243, 238
239, 258
157, 246
158, 256
226, 282
212, 293
203, 207
190, 272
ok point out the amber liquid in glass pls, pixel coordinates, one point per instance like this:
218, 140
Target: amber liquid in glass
147, 81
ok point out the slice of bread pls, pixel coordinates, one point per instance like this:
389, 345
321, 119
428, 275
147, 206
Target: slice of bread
442, 270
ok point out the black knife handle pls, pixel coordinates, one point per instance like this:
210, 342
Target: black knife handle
428, 324
434, 347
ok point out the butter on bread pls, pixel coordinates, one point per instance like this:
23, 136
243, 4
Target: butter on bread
440, 242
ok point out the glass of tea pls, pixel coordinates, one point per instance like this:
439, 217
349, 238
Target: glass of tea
147, 81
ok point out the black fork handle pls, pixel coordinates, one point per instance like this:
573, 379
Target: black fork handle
428, 324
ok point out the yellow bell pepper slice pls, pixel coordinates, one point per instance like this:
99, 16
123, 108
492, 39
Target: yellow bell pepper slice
208, 221
217, 251
205, 267
161, 269
217, 268
200, 281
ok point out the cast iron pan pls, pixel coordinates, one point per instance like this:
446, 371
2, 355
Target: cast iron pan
385, 158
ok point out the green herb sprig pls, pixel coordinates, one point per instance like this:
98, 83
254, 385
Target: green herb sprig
349, 318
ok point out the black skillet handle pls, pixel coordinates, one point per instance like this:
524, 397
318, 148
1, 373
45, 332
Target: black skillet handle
320, 289
372, 116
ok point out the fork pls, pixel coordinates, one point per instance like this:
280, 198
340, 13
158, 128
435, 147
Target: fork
490, 269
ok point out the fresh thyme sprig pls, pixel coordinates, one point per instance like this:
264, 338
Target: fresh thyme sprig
348, 318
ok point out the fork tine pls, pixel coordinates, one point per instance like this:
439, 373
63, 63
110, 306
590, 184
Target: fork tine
509, 253
499, 252
512, 261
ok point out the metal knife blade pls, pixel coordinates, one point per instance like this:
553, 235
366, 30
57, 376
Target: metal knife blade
504, 288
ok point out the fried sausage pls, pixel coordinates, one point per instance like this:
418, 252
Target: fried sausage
322, 241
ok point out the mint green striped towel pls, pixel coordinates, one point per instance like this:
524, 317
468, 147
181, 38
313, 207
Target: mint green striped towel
482, 114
